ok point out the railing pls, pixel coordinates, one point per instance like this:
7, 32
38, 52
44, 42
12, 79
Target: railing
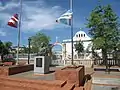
87, 63
110, 62
58, 62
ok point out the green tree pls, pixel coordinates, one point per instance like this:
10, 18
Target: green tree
25, 49
8, 45
79, 47
1, 47
104, 29
5, 48
39, 42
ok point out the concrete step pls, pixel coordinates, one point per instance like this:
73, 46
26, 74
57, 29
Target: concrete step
58, 83
8, 88
10, 85
78, 88
68, 86
20, 86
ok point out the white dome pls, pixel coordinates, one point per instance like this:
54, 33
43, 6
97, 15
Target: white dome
81, 35
80, 32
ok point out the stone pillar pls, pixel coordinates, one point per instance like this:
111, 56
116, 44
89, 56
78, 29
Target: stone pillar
41, 64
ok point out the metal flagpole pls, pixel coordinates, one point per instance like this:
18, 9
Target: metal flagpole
71, 8
19, 25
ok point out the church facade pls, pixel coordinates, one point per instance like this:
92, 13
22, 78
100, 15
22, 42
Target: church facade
79, 36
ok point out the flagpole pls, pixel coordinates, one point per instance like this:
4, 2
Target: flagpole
19, 25
71, 8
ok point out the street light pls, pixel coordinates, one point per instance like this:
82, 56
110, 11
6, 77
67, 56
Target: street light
29, 50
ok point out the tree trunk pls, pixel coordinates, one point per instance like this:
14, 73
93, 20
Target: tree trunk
104, 56
115, 55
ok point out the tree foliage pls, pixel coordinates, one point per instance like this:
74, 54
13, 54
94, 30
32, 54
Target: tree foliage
39, 42
79, 47
5, 48
1, 47
104, 29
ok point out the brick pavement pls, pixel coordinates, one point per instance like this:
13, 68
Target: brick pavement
95, 74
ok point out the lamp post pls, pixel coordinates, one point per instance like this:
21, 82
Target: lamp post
29, 50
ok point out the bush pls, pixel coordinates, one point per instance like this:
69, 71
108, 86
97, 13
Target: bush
9, 59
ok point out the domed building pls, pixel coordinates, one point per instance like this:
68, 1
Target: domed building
79, 36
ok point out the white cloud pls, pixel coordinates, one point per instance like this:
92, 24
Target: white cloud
40, 17
2, 33
10, 5
35, 17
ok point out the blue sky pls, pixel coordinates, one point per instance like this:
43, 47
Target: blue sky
40, 16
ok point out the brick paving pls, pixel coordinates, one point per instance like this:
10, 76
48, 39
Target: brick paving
91, 71
101, 79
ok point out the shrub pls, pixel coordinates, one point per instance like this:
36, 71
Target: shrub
9, 59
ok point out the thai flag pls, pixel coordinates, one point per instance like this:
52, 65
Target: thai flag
65, 18
13, 22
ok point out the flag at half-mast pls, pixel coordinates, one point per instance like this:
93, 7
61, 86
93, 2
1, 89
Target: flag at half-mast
65, 18
13, 22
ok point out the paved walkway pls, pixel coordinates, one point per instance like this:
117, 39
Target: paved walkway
104, 81
103, 87
31, 75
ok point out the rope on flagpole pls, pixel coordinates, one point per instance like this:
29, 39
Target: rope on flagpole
19, 27
71, 8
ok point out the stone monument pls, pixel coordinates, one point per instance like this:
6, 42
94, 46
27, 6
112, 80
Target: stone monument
41, 64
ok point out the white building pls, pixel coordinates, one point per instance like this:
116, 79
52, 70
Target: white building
79, 36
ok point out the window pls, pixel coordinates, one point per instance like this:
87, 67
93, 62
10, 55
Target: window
84, 35
81, 35
76, 35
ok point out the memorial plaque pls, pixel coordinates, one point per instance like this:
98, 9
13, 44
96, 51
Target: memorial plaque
38, 62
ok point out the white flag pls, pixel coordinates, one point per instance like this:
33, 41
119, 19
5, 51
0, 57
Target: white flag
65, 18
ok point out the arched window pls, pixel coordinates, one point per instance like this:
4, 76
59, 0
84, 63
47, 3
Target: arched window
81, 35
76, 35
84, 35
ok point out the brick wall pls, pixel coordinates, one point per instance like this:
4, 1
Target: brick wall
9, 70
72, 75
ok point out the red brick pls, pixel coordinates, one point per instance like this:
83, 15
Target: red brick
79, 88
72, 75
68, 86
9, 70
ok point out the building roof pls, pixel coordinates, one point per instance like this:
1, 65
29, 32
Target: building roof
80, 32
80, 35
